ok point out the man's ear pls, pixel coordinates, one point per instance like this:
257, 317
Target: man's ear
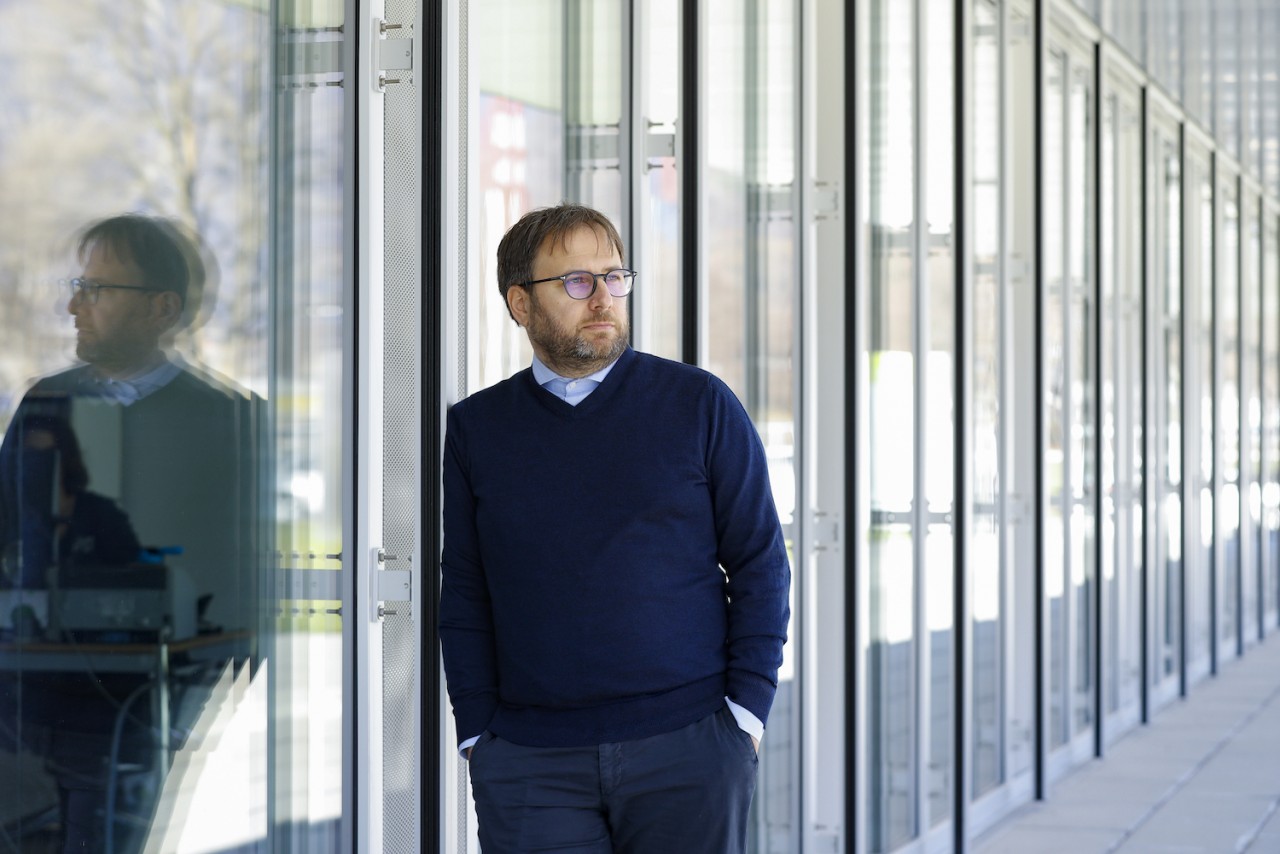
167, 308
518, 304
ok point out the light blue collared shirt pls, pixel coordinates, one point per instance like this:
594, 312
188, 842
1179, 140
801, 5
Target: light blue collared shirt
569, 389
134, 388
573, 391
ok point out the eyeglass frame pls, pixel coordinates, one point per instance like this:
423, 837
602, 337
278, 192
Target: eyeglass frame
89, 290
595, 282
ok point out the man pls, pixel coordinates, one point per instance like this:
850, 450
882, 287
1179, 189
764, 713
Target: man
615, 581
170, 452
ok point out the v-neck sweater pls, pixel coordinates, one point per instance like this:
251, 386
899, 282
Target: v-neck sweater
611, 570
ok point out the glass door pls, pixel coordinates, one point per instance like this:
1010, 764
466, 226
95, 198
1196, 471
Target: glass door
1198, 407
1121, 439
1070, 398
1270, 315
1227, 395
1165, 408
909, 371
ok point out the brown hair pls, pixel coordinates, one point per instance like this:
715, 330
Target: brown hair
165, 253
524, 240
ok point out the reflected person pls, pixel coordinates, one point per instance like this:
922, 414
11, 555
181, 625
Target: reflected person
167, 442
615, 581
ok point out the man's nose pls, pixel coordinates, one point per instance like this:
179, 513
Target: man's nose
600, 298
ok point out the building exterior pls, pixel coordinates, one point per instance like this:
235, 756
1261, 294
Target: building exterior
997, 280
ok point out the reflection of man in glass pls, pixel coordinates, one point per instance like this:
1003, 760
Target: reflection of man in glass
172, 447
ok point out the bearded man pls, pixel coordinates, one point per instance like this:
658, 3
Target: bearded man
615, 581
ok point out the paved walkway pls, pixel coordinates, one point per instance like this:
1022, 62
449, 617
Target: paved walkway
1203, 777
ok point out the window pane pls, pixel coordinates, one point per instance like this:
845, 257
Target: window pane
752, 291
893, 673
1227, 307
171, 491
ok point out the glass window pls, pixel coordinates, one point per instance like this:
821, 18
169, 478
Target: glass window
1198, 450
1070, 395
1227, 308
1056, 395
937, 456
1270, 313
1121, 440
1165, 224
986, 561
892, 384
548, 128
752, 292
1250, 415
171, 474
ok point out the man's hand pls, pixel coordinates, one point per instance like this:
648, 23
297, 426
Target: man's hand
755, 742
469, 753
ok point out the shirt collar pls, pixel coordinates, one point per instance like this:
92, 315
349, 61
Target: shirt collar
133, 388
543, 375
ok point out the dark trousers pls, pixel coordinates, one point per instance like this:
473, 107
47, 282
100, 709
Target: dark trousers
686, 791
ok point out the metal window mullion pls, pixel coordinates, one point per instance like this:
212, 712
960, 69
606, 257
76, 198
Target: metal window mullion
1215, 378
919, 509
1094, 289
855, 492
1042, 671
631, 150
1153, 383
962, 373
690, 166
1184, 484
757, 207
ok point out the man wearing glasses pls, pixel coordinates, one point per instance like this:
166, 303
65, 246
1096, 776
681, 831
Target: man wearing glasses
615, 582
172, 448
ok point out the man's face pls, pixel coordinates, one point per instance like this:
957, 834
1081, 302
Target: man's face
573, 337
122, 330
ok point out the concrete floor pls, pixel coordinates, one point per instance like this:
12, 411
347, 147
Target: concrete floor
1204, 776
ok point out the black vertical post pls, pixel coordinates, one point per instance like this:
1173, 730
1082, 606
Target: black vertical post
431, 32
690, 246
961, 624
853, 257
1040, 24
1098, 328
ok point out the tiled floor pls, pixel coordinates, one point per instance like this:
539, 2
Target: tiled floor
1203, 777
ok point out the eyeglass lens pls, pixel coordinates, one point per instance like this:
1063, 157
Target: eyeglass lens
84, 288
580, 285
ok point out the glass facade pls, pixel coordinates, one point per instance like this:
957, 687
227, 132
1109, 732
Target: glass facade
172, 467
250, 262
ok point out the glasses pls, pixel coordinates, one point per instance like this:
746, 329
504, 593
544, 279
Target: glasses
579, 284
88, 289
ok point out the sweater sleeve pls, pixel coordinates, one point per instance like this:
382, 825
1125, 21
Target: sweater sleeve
466, 615
751, 550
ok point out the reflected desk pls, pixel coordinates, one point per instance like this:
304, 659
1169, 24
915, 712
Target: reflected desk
154, 660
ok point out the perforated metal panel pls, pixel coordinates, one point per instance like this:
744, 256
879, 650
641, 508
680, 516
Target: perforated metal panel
401, 499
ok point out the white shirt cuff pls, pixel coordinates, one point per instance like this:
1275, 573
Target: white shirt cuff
470, 742
747, 722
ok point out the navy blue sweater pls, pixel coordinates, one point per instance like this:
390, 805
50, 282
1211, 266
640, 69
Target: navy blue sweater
612, 570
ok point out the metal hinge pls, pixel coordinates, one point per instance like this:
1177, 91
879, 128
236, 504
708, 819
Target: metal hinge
393, 55
825, 529
824, 200
388, 585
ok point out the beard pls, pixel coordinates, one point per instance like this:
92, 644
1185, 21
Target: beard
570, 354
